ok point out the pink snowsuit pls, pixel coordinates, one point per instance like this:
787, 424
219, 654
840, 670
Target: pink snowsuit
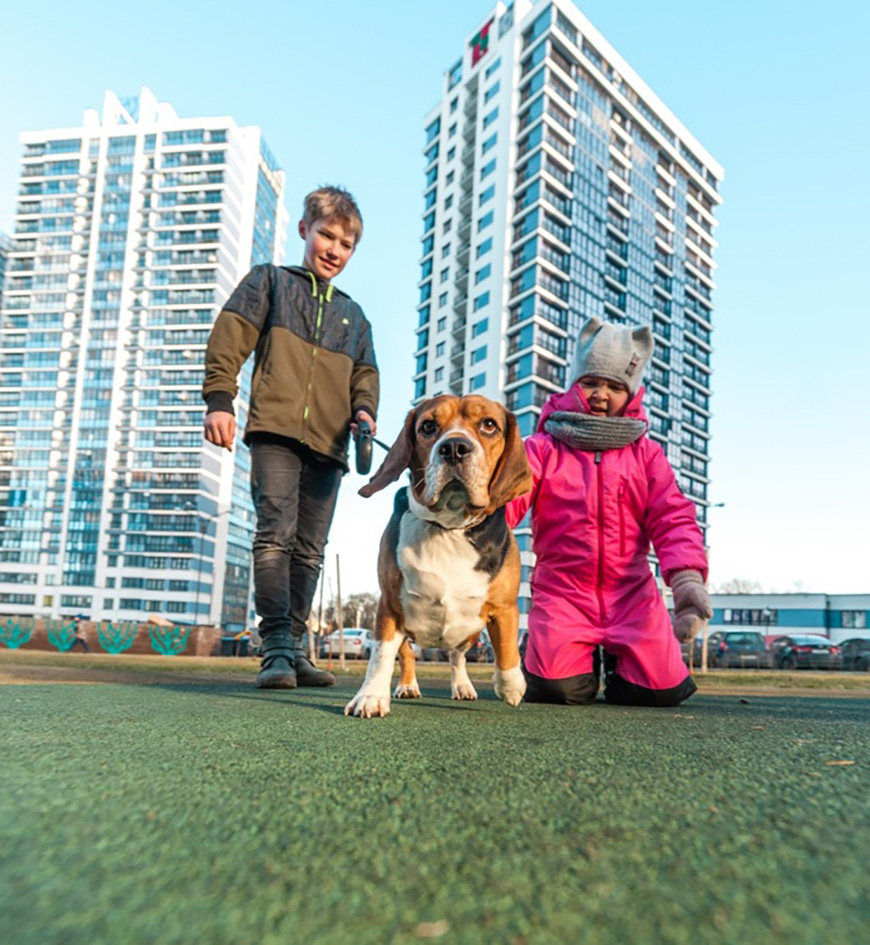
593, 517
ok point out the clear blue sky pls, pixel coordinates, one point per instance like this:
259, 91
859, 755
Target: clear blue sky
776, 92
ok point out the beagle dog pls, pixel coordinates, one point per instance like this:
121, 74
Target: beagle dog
448, 563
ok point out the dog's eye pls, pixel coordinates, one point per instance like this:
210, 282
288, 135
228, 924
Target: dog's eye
428, 427
488, 426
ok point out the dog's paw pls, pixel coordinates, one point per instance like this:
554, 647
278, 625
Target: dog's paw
368, 706
510, 685
410, 691
463, 690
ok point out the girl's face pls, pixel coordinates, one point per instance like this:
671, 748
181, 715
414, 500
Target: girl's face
606, 398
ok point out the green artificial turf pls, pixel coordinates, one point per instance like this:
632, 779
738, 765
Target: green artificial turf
212, 812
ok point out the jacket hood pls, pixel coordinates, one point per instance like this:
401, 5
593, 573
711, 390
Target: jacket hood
573, 400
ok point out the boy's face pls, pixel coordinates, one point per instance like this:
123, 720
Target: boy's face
329, 244
606, 398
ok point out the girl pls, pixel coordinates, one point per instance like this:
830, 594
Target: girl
603, 491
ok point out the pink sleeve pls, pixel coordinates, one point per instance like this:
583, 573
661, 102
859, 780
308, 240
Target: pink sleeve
536, 448
671, 523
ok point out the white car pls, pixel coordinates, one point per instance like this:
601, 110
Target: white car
356, 642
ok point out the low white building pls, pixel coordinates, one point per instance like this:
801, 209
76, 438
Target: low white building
837, 616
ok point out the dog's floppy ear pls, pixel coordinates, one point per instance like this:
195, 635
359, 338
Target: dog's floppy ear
397, 461
512, 476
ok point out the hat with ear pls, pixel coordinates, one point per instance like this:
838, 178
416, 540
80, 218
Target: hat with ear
616, 352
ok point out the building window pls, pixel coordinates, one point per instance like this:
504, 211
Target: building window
762, 617
426, 269
481, 301
439, 349
486, 195
492, 67
451, 153
445, 250
442, 300
448, 201
448, 180
487, 169
482, 273
490, 118
454, 105
489, 143
422, 362
476, 382
447, 226
451, 131
439, 374
441, 324
445, 274
854, 619
478, 355
420, 387
428, 245
484, 247
491, 92
484, 221
478, 328
433, 130
425, 291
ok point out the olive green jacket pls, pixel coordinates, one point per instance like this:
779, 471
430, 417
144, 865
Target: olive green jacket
314, 359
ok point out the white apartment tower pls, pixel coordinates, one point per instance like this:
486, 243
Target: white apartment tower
558, 186
130, 231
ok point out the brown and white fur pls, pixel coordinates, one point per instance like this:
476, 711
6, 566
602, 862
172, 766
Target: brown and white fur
448, 564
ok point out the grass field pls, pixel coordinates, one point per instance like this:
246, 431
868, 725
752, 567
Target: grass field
164, 800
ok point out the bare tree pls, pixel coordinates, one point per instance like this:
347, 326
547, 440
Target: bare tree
359, 610
739, 586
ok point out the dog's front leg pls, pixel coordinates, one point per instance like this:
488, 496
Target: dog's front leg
373, 698
509, 681
460, 685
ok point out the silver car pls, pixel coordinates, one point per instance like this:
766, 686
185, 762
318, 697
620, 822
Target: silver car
357, 643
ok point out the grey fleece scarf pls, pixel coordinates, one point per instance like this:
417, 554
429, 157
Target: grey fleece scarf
585, 431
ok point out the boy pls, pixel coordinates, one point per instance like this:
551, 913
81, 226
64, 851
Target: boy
603, 492
314, 373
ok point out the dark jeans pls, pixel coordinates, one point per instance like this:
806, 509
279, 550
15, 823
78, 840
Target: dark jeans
294, 496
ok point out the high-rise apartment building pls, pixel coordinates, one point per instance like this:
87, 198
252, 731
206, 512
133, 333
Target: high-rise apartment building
5, 244
558, 186
130, 231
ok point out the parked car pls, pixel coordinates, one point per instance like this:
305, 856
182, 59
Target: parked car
433, 654
733, 649
481, 651
805, 651
357, 643
856, 654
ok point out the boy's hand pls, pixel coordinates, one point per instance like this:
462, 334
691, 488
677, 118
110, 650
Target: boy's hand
691, 604
367, 417
220, 428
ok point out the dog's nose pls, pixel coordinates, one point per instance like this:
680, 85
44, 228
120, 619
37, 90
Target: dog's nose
454, 449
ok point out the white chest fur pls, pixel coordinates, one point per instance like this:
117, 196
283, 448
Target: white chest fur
442, 594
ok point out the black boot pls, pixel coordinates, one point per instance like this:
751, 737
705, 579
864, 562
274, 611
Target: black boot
278, 664
307, 674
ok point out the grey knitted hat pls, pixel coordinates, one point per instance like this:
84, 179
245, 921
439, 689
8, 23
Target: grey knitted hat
616, 352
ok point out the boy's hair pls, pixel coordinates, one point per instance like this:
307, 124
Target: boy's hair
333, 203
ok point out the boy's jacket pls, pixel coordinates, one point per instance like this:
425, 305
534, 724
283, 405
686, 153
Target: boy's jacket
314, 360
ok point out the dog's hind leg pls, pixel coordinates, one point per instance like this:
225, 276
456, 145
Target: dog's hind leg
460, 685
407, 687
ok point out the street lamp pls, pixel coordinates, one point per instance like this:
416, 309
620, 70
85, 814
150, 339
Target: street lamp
706, 637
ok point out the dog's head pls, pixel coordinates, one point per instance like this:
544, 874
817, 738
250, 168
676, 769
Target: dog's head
466, 458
